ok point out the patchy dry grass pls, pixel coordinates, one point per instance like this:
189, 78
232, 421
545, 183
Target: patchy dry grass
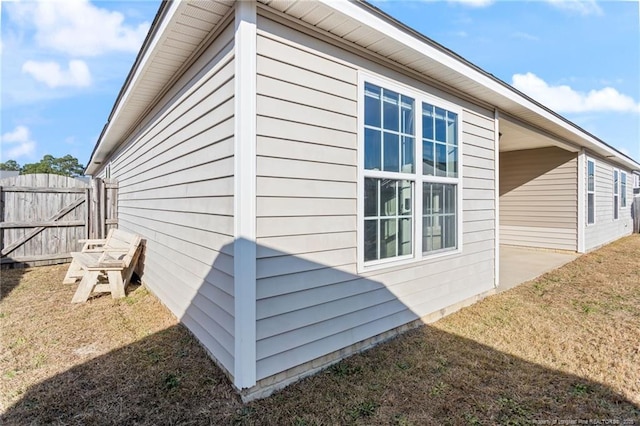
563, 347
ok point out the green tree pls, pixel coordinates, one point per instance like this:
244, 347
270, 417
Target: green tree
10, 165
66, 166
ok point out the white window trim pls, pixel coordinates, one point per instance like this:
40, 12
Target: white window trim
595, 210
616, 188
626, 204
419, 97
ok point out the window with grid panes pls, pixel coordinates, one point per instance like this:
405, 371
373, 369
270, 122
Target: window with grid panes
392, 176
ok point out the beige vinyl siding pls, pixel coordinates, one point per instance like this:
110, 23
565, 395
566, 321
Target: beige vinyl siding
539, 198
606, 229
176, 182
310, 299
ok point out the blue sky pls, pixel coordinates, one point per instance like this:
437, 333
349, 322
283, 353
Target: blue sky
63, 62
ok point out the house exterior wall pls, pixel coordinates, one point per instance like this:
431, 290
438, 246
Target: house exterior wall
176, 183
606, 228
538, 198
311, 298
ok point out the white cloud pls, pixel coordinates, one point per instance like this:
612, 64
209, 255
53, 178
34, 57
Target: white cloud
79, 28
50, 73
564, 99
473, 3
582, 7
17, 144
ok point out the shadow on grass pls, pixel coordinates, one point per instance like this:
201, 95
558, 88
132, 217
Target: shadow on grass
10, 276
425, 376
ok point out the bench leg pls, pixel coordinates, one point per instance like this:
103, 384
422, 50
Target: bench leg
116, 284
73, 273
85, 287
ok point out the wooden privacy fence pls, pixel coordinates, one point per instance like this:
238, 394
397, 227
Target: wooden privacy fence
42, 216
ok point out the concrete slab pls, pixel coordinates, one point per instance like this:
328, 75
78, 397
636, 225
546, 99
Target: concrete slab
521, 264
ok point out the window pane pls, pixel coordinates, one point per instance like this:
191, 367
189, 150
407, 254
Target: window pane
427, 206
590, 183
436, 233
439, 226
427, 121
449, 199
615, 181
391, 152
452, 162
405, 233
449, 234
427, 232
441, 126
371, 105
388, 198
371, 197
407, 115
388, 238
437, 197
452, 128
615, 206
372, 149
391, 110
370, 239
407, 155
590, 208
404, 190
441, 159
428, 159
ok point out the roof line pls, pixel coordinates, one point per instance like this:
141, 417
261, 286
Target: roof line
404, 27
143, 49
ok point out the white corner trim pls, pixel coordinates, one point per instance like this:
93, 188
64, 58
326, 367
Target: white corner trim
496, 213
244, 248
582, 200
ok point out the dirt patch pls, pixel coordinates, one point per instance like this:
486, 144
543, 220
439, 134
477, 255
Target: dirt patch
564, 347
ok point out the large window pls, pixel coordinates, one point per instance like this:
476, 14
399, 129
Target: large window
409, 208
591, 192
615, 195
623, 189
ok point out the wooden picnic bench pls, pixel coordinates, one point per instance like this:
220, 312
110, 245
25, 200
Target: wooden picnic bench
113, 258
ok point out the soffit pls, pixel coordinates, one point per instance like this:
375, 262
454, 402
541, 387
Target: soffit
172, 42
365, 27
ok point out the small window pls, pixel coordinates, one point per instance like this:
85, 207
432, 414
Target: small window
615, 195
591, 189
623, 189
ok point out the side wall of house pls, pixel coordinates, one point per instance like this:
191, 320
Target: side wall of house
606, 228
311, 299
538, 198
176, 182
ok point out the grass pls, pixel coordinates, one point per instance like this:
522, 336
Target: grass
563, 347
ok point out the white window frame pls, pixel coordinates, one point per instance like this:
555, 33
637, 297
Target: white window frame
616, 194
591, 160
419, 97
623, 193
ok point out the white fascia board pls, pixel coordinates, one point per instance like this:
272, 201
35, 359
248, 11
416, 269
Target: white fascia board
374, 22
105, 144
244, 247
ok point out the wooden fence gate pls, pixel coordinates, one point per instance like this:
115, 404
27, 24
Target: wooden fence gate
42, 216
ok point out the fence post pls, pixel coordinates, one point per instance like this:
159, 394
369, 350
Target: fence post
95, 208
1, 218
87, 213
103, 209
